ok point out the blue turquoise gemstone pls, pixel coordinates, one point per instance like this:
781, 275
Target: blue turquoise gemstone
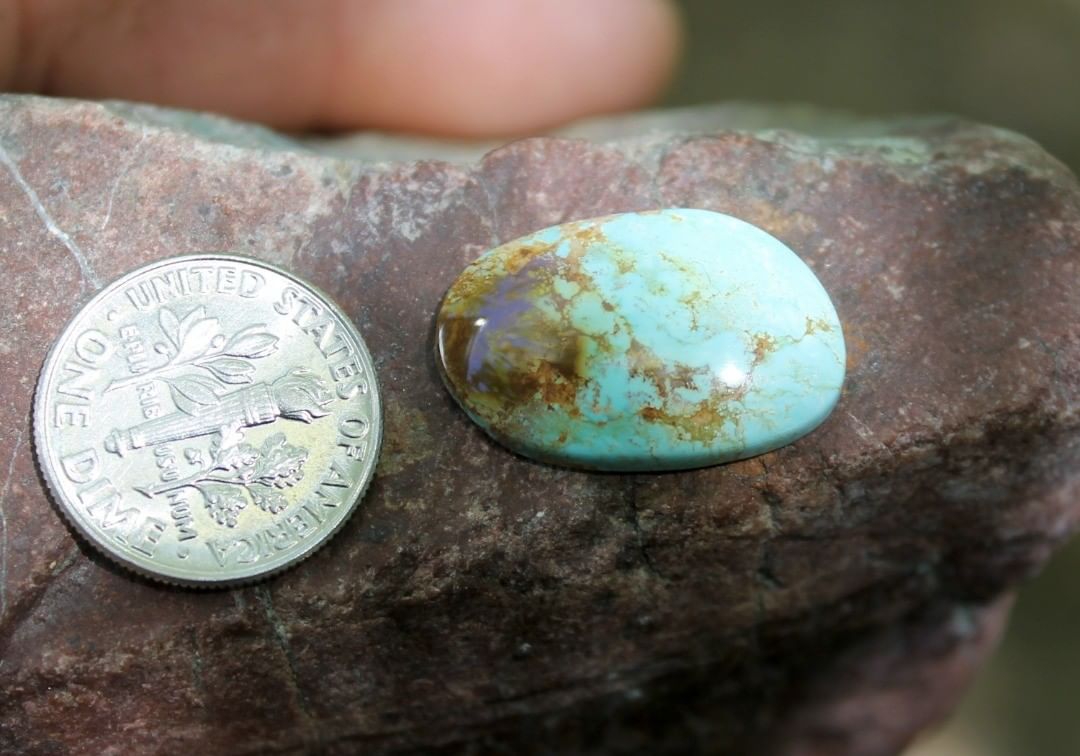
662, 340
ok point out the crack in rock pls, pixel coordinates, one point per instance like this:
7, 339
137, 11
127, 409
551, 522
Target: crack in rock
88, 274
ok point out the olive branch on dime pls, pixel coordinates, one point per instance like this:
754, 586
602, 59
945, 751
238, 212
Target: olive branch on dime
196, 341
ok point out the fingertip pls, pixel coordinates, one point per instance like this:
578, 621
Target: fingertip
493, 68
474, 68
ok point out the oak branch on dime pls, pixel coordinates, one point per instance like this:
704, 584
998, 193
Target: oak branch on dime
235, 467
297, 395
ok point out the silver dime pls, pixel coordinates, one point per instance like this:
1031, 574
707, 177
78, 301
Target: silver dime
208, 420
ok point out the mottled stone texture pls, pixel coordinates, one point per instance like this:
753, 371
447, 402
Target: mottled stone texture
642, 342
828, 598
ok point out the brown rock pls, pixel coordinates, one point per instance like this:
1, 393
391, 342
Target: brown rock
827, 598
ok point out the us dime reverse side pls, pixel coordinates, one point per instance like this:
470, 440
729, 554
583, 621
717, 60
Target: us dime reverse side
207, 420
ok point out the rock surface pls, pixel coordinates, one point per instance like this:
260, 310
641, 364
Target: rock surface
831, 597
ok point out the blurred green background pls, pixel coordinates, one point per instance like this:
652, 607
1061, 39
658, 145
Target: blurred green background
1012, 63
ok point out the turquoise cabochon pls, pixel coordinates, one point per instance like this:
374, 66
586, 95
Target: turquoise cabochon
660, 340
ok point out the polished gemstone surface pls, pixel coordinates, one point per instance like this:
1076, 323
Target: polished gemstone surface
660, 340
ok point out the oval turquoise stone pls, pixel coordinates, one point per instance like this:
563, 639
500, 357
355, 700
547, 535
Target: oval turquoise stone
660, 340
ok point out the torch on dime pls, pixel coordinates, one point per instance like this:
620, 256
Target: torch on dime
208, 420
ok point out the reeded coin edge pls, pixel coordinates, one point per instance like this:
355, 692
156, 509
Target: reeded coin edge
247, 577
